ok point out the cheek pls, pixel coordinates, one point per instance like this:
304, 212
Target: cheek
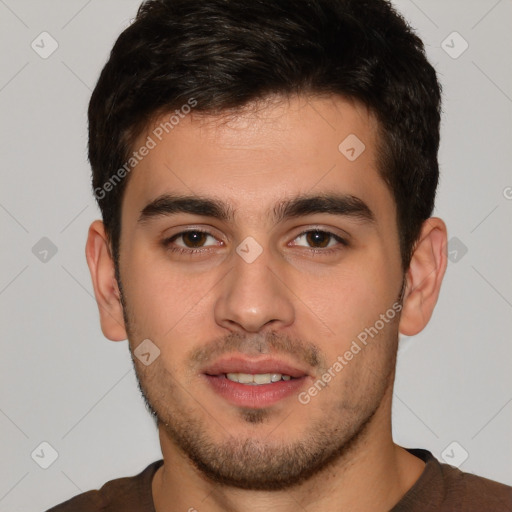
162, 296
347, 299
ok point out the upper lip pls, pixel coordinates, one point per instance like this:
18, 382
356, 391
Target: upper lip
237, 364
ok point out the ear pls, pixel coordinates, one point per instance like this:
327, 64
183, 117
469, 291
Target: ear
424, 277
101, 266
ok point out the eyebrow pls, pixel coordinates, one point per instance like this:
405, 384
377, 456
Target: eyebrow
334, 204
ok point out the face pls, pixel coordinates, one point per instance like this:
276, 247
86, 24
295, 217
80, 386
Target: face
263, 263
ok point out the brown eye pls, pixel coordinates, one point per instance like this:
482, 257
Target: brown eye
194, 239
318, 238
191, 241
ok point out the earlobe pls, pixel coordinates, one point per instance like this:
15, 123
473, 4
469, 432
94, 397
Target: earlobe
424, 277
104, 282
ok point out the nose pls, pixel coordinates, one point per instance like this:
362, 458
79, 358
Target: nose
254, 296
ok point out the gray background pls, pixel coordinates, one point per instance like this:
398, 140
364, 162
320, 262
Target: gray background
64, 384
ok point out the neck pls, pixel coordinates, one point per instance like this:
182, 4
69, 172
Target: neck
371, 476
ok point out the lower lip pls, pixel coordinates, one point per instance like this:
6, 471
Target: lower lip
256, 395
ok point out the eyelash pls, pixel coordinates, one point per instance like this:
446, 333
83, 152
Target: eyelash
191, 251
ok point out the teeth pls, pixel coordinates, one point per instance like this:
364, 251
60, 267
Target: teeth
245, 378
259, 378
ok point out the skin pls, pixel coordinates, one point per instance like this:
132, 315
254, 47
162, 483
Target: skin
289, 302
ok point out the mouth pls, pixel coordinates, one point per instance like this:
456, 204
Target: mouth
254, 384
257, 379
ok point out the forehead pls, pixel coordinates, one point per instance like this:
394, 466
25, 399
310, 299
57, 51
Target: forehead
255, 157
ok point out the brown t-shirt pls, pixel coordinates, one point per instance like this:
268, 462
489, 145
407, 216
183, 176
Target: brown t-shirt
440, 488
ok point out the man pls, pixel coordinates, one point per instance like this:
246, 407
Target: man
266, 172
